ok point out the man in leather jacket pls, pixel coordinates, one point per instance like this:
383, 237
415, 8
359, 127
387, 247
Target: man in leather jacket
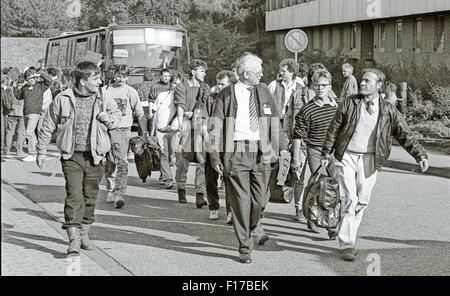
361, 135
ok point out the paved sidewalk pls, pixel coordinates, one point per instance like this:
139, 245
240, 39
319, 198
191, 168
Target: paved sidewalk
31, 247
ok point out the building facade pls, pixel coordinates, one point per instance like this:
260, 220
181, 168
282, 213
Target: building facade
388, 31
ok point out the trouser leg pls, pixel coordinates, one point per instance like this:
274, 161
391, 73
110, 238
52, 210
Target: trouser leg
212, 191
165, 170
10, 128
182, 170
20, 132
31, 121
200, 186
355, 195
110, 176
73, 170
91, 182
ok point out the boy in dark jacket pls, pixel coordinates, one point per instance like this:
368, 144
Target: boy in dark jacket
32, 93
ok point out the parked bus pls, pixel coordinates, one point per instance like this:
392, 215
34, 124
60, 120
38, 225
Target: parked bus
139, 46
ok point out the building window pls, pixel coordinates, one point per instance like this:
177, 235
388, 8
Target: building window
330, 38
417, 35
284, 3
321, 39
382, 37
398, 35
353, 32
341, 36
439, 36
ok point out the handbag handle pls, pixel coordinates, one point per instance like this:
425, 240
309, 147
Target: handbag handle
316, 174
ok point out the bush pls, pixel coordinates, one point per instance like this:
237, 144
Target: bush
432, 129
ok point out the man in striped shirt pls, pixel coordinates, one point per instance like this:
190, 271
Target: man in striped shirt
311, 124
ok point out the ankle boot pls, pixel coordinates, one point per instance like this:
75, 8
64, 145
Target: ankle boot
74, 240
86, 244
182, 196
199, 200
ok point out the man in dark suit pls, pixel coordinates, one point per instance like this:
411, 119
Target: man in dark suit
246, 138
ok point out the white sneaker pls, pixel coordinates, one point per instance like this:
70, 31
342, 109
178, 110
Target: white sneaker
230, 218
214, 215
110, 197
29, 158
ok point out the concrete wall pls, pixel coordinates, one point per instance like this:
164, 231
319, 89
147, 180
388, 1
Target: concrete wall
22, 52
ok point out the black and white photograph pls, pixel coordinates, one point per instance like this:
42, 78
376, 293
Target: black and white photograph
219, 146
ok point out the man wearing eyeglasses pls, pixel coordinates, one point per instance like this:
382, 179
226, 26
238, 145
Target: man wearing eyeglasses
246, 138
311, 125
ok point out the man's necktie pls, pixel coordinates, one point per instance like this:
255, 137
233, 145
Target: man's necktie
252, 110
370, 106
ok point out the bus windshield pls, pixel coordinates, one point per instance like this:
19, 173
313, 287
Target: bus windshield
147, 47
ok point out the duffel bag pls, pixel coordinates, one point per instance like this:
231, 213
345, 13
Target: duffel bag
322, 204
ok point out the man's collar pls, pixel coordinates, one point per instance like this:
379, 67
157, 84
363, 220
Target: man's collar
321, 103
296, 80
196, 84
374, 99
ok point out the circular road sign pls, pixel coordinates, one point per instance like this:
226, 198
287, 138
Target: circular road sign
296, 40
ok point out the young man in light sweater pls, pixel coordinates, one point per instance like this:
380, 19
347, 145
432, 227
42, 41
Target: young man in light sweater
128, 102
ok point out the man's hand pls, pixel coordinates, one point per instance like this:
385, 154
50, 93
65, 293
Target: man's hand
188, 114
324, 160
284, 152
423, 165
103, 117
40, 161
296, 163
219, 169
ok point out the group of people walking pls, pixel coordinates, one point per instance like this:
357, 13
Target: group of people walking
243, 127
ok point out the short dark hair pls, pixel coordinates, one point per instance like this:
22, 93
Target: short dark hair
390, 87
225, 73
164, 70
52, 71
84, 70
291, 64
29, 72
303, 69
196, 63
120, 70
177, 75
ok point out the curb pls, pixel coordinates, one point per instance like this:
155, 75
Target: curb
414, 168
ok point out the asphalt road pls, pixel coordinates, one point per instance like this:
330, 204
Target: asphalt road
405, 229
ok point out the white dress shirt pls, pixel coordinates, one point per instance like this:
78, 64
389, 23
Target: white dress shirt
242, 129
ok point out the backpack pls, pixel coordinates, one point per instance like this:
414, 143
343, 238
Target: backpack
322, 204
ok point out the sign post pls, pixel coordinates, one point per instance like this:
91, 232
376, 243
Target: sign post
296, 41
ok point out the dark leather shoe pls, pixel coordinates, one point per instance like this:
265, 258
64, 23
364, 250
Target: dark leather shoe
182, 196
313, 227
200, 201
348, 254
245, 258
261, 239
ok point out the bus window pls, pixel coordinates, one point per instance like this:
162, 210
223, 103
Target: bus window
148, 47
62, 60
80, 49
93, 43
53, 60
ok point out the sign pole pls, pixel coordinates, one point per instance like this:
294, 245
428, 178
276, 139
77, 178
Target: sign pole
296, 57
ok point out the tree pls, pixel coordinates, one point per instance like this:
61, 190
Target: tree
35, 18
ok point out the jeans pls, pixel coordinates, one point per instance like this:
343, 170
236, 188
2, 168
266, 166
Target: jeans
212, 192
14, 124
82, 187
31, 122
116, 169
164, 142
181, 174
